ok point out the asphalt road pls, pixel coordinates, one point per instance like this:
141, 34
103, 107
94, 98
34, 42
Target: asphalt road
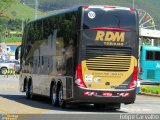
14, 102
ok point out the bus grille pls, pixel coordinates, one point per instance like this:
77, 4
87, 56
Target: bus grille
105, 58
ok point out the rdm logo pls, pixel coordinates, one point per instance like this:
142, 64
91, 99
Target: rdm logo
110, 38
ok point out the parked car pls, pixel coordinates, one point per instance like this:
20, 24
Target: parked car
17, 64
5, 66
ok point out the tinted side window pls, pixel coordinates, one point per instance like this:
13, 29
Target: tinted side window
149, 55
157, 55
152, 55
66, 42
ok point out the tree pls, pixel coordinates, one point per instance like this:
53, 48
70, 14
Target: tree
4, 5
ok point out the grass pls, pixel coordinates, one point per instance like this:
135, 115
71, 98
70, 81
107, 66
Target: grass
150, 89
12, 39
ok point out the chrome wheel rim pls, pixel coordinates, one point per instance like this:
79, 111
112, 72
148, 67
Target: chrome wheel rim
60, 96
53, 96
4, 71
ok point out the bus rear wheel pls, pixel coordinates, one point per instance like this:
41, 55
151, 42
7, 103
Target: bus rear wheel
61, 101
29, 90
54, 98
108, 106
99, 106
113, 106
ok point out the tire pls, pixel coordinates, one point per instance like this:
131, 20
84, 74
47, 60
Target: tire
24, 86
113, 106
4, 71
27, 89
31, 92
54, 93
61, 101
99, 106
109, 106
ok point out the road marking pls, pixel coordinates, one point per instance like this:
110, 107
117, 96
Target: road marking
5, 115
9, 87
19, 108
148, 100
136, 109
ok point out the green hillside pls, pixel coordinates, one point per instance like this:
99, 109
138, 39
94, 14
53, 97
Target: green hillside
150, 6
14, 20
26, 10
21, 11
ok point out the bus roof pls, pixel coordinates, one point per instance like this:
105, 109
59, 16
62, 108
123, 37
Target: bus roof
108, 7
151, 48
78, 7
61, 11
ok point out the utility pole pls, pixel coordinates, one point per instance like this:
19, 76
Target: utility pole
133, 3
36, 8
22, 26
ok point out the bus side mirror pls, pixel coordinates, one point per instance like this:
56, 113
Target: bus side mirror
17, 53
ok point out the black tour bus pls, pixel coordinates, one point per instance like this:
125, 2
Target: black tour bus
85, 54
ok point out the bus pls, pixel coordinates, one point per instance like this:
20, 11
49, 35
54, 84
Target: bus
85, 55
150, 63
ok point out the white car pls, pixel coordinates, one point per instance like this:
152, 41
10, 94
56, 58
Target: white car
5, 66
17, 64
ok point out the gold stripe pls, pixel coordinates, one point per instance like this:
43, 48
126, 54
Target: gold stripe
109, 66
107, 63
101, 58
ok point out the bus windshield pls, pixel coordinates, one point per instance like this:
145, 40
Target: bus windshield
117, 18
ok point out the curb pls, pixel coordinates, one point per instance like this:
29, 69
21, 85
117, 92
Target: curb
149, 94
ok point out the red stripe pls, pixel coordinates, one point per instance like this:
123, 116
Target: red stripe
110, 6
111, 29
89, 93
